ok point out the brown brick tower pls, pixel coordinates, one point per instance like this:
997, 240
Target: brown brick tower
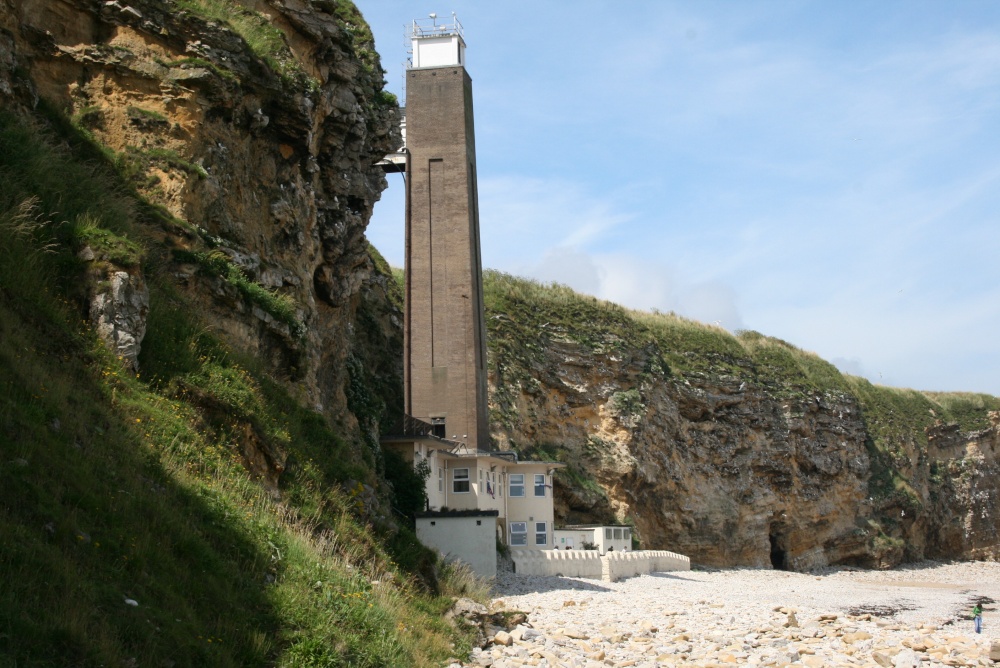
445, 344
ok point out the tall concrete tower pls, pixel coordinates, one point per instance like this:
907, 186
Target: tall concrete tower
445, 344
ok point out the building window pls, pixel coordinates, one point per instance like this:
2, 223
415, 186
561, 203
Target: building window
518, 533
517, 484
627, 534
539, 484
438, 428
607, 534
541, 538
440, 479
460, 481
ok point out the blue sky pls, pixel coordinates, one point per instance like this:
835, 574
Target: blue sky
824, 172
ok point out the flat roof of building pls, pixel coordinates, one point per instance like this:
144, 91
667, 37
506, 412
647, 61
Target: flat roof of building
458, 513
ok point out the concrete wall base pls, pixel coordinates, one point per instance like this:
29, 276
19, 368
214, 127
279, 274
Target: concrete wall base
590, 564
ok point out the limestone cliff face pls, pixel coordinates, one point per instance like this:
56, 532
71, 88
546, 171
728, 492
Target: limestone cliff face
719, 460
255, 137
714, 470
961, 477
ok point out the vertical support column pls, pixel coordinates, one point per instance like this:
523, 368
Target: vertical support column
445, 324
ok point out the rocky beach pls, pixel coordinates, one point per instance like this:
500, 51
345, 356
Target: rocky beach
917, 615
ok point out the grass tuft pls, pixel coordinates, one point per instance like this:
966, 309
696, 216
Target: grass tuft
216, 263
264, 38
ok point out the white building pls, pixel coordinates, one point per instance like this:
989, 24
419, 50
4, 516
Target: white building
603, 538
475, 480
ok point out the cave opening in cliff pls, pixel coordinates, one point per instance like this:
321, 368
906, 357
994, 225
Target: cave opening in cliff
779, 558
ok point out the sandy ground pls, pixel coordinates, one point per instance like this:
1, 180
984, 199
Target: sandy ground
915, 615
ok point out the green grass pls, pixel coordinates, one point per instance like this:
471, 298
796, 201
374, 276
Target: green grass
780, 363
199, 62
529, 311
118, 249
117, 487
394, 277
168, 158
969, 410
88, 116
264, 39
627, 406
141, 115
216, 263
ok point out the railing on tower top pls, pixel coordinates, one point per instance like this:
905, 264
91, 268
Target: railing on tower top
430, 27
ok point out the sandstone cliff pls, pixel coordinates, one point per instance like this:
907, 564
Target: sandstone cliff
735, 450
252, 129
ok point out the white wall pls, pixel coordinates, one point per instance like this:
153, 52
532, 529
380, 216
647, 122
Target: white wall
599, 537
620, 565
568, 563
469, 539
482, 470
530, 508
589, 564
618, 541
578, 536
438, 51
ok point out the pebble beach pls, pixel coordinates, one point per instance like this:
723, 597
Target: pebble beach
917, 615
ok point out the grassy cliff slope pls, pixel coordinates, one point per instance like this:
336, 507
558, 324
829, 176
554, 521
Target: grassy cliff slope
132, 530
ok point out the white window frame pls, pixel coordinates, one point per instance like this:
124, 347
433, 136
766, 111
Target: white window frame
521, 534
607, 533
541, 532
540, 485
456, 479
440, 479
618, 534
519, 484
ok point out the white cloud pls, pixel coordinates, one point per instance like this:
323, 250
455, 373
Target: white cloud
711, 302
638, 283
571, 267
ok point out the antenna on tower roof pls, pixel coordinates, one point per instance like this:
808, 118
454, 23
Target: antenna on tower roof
434, 44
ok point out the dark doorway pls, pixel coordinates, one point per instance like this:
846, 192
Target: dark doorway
779, 558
